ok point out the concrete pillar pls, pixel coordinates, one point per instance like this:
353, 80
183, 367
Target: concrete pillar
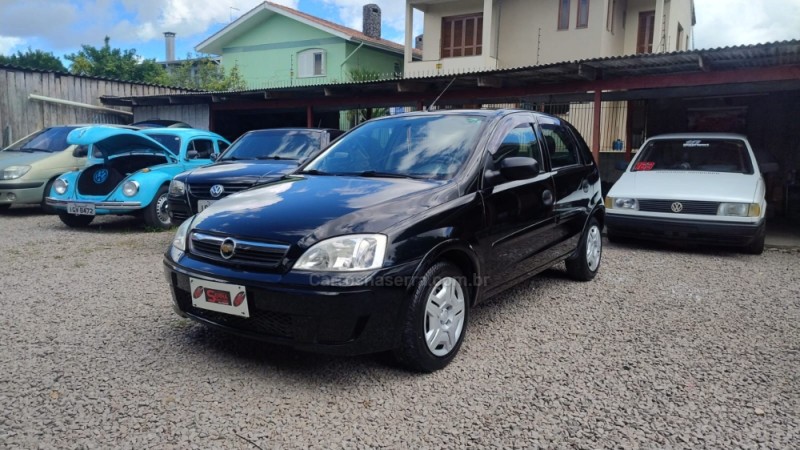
488, 34
658, 29
409, 41
596, 125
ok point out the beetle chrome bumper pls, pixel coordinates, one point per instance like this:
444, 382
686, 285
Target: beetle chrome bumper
112, 206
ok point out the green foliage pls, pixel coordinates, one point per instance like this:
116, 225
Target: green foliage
205, 74
116, 63
34, 59
356, 116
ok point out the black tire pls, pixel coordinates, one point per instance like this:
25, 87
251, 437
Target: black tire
414, 351
45, 207
5, 206
73, 221
583, 266
757, 246
156, 214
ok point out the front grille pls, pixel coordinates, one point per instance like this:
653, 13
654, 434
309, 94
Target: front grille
689, 207
263, 322
248, 253
201, 191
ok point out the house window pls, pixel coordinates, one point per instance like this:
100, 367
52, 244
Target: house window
680, 38
583, 14
311, 63
462, 35
644, 36
563, 14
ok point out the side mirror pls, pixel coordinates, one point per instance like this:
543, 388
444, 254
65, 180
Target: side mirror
213, 156
519, 168
80, 152
621, 165
191, 154
769, 167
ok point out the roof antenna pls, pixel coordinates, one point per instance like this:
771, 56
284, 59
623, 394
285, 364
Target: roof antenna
440, 94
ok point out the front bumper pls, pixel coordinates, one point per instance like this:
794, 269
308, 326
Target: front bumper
684, 230
18, 193
341, 320
179, 209
100, 207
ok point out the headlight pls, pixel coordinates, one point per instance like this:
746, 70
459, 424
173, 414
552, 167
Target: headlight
14, 172
739, 209
60, 186
622, 203
177, 188
345, 253
179, 241
130, 188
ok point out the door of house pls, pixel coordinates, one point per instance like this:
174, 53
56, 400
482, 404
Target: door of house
644, 40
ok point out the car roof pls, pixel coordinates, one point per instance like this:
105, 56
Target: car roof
699, 135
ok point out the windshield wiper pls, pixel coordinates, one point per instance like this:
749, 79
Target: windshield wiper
275, 157
314, 172
376, 174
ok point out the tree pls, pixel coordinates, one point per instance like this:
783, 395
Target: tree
116, 63
205, 74
34, 59
356, 116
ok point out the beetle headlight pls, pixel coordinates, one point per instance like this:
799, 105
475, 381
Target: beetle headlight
177, 188
739, 209
345, 253
130, 188
179, 241
622, 203
14, 172
60, 186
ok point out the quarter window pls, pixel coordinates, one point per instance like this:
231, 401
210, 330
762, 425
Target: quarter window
311, 63
462, 35
560, 145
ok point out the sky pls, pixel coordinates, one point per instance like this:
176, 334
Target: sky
61, 26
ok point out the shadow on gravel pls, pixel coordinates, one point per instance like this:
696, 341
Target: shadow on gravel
674, 247
23, 211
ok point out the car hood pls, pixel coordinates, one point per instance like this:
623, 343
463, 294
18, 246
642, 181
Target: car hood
21, 158
240, 172
676, 185
307, 209
115, 141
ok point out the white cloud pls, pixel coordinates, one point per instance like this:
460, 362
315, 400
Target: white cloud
744, 22
9, 44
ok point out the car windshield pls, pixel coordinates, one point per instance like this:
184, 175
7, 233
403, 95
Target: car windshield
48, 140
275, 144
421, 146
699, 155
172, 142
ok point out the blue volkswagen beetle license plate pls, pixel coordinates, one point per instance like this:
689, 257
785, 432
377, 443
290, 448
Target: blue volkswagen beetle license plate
81, 209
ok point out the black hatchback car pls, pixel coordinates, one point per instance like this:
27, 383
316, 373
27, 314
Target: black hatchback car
256, 157
387, 238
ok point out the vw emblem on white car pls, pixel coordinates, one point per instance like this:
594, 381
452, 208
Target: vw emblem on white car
228, 248
216, 190
677, 207
100, 176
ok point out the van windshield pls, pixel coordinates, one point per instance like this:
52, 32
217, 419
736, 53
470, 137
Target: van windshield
697, 155
48, 140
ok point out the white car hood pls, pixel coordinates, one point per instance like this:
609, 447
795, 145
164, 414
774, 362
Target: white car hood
679, 185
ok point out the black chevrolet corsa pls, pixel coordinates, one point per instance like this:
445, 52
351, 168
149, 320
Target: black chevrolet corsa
387, 238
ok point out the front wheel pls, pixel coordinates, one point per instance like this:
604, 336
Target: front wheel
436, 319
584, 264
757, 246
73, 221
156, 214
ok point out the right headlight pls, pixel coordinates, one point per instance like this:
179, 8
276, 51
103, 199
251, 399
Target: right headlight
60, 186
345, 254
177, 188
178, 247
622, 203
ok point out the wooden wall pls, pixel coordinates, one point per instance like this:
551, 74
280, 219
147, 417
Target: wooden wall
20, 116
198, 116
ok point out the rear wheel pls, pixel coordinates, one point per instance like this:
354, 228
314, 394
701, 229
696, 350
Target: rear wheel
73, 221
156, 214
586, 262
757, 246
436, 320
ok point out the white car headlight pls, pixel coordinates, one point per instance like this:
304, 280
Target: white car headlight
177, 188
14, 172
739, 209
130, 188
345, 253
60, 186
623, 203
179, 241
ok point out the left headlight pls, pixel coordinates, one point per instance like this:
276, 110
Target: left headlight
345, 254
14, 172
177, 188
739, 209
622, 203
130, 188
178, 247
60, 186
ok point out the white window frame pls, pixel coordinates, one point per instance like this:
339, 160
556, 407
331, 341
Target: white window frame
305, 63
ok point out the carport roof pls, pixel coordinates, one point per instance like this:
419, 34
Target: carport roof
609, 73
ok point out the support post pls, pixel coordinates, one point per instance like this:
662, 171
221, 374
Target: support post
628, 131
309, 116
596, 126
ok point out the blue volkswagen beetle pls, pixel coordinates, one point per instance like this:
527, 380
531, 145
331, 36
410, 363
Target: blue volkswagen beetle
128, 172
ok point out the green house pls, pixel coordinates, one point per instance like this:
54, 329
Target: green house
276, 46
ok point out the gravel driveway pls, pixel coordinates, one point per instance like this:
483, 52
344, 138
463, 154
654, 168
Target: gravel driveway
664, 348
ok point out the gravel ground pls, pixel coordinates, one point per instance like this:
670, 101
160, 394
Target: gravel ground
664, 349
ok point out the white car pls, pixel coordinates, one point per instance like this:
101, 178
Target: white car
700, 188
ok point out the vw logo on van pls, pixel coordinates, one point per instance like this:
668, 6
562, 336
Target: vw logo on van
677, 207
100, 176
216, 190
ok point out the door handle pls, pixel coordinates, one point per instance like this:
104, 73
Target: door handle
547, 197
